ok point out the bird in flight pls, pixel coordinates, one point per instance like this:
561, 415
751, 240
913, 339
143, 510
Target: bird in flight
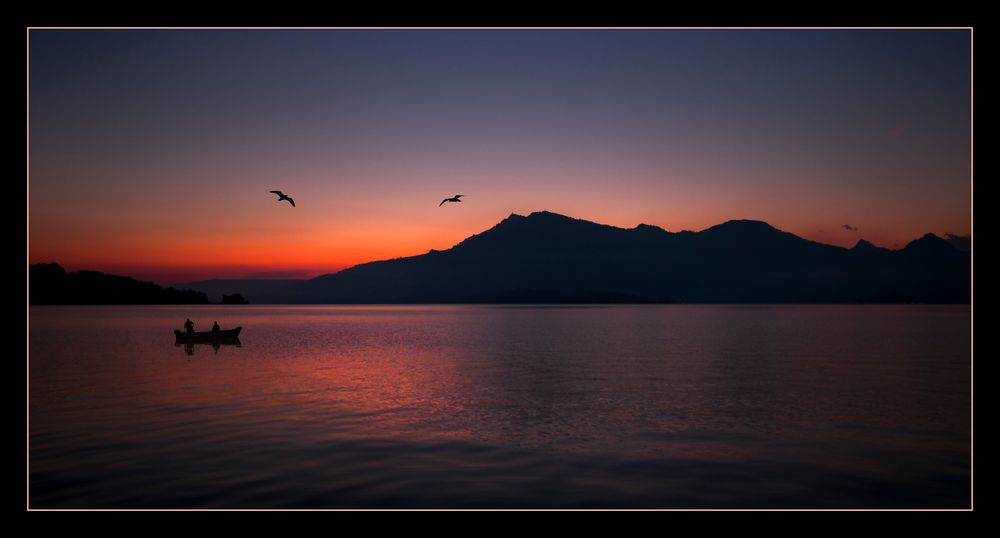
283, 196
452, 199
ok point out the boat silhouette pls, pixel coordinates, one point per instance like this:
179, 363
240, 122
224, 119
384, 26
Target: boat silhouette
226, 336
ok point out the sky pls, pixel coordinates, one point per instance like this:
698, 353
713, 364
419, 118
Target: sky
151, 152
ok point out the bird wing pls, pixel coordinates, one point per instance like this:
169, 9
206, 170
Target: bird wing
459, 195
442, 202
290, 201
277, 192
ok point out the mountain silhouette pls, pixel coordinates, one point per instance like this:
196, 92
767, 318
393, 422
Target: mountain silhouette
738, 261
547, 257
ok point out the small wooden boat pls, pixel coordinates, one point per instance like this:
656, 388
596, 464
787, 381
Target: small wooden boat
208, 336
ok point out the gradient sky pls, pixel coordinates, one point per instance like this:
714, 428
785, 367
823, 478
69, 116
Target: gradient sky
151, 152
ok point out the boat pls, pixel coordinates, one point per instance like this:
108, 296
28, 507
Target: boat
208, 336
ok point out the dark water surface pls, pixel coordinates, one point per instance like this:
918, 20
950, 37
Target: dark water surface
502, 406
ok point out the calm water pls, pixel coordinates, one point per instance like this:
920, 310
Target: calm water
502, 406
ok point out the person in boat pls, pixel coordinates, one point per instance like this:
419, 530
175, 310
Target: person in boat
215, 327
189, 326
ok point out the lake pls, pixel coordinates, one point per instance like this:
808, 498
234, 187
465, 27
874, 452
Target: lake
652, 406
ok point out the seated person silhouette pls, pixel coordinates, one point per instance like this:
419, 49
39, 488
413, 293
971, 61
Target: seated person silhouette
189, 326
215, 327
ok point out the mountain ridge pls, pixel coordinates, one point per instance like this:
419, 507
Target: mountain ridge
549, 257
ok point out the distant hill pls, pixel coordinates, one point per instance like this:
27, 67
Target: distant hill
962, 243
50, 284
546, 257
257, 291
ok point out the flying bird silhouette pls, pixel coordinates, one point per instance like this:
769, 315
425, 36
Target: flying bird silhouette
452, 199
283, 196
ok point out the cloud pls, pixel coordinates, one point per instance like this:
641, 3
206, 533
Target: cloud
960, 242
849, 227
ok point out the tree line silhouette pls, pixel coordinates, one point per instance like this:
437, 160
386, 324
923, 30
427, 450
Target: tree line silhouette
50, 284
